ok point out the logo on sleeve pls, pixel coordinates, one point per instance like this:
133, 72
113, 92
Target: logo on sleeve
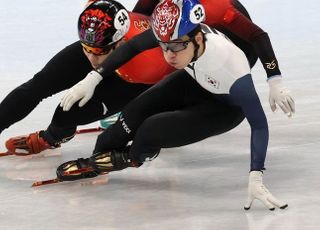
271, 65
141, 25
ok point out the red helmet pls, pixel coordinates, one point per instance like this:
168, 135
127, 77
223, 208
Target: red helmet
172, 19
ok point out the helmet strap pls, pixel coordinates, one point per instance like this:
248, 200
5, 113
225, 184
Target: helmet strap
196, 49
192, 34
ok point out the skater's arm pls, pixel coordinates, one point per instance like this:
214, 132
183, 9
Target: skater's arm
145, 6
244, 28
243, 94
84, 89
127, 51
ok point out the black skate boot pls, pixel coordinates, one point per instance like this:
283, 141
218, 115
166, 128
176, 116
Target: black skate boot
97, 164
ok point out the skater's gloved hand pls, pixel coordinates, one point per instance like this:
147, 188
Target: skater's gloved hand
257, 190
280, 95
82, 91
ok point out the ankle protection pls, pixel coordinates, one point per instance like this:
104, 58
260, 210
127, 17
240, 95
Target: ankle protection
112, 161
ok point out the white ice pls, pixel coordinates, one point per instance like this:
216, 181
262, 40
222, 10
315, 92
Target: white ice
200, 186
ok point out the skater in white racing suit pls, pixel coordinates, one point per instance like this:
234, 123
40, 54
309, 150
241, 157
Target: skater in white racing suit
210, 93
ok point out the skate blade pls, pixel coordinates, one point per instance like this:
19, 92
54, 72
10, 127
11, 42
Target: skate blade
3, 154
45, 182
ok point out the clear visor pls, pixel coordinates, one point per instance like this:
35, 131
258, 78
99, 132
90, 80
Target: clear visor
174, 46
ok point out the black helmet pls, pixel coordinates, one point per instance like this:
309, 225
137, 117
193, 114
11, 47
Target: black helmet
103, 23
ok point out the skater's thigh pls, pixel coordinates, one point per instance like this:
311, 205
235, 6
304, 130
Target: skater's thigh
189, 125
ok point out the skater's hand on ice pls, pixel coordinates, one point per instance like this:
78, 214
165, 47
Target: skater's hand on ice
257, 190
280, 95
82, 91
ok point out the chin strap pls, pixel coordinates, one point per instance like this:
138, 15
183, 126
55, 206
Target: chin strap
196, 49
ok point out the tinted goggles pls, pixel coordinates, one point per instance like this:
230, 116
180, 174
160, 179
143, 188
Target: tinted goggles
174, 46
97, 50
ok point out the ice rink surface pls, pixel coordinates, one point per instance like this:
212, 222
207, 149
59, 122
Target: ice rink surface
200, 186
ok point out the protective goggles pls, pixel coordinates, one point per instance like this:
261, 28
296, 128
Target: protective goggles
174, 46
97, 50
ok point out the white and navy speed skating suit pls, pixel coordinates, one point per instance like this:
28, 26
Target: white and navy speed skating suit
210, 96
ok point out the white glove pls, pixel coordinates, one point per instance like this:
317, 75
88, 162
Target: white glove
280, 95
256, 190
83, 90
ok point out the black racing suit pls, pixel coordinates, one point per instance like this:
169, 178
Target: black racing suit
64, 70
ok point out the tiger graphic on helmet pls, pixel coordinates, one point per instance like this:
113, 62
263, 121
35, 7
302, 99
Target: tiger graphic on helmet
94, 23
